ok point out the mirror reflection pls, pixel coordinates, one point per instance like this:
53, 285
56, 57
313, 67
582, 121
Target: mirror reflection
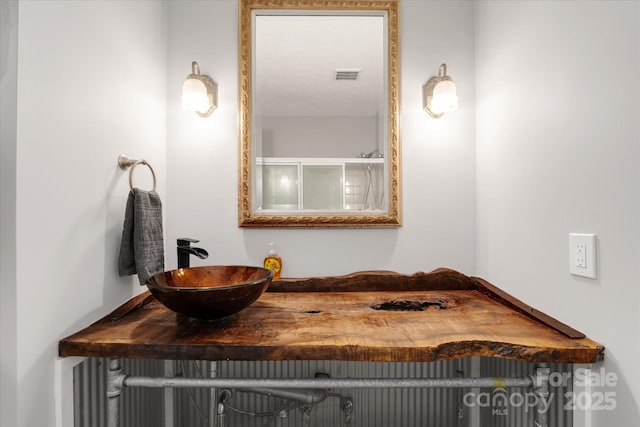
318, 135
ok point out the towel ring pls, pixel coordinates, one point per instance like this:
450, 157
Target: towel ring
125, 162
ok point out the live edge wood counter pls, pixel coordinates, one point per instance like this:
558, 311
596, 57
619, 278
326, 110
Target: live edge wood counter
367, 316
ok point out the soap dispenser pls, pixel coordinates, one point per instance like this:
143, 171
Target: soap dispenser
273, 261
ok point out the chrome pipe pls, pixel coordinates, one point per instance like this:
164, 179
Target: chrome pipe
248, 383
115, 382
213, 397
541, 390
308, 396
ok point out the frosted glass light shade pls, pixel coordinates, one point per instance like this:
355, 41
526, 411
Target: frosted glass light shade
194, 96
444, 98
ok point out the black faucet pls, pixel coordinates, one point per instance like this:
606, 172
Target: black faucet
185, 250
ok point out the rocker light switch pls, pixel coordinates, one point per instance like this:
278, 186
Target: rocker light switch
582, 255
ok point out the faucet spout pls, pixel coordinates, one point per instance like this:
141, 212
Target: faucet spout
185, 250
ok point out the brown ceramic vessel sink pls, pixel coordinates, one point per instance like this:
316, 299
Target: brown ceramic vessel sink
211, 292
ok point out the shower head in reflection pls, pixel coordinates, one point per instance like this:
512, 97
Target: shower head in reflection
375, 154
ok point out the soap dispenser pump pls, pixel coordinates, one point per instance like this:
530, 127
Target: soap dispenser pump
273, 261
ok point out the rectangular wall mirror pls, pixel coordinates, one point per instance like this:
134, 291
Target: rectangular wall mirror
319, 113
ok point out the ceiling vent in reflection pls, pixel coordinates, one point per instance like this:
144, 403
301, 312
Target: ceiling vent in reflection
347, 74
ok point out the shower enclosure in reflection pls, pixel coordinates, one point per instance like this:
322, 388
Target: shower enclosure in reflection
312, 184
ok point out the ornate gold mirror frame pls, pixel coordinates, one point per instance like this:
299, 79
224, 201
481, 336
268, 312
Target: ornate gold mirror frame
247, 217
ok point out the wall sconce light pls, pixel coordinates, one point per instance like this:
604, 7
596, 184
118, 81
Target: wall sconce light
439, 94
199, 92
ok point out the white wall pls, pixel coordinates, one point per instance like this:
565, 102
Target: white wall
558, 141
319, 136
438, 157
8, 107
90, 84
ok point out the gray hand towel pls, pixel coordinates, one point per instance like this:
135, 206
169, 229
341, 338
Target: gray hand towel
142, 245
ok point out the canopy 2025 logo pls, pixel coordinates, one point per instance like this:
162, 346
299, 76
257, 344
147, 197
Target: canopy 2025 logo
591, 392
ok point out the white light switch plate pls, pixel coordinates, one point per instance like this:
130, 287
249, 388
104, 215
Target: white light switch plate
582, 255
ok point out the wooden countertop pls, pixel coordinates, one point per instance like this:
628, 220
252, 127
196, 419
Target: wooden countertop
334, 318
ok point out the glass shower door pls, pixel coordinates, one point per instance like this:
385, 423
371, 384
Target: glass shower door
323, 187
